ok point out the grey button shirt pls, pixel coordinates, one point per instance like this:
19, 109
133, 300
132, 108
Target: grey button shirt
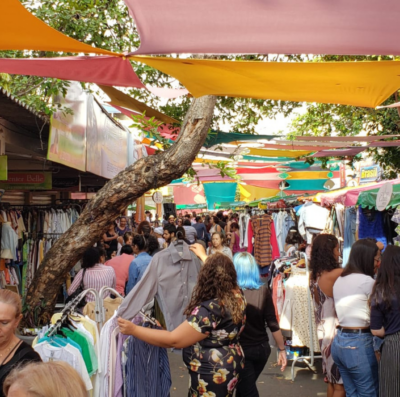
170, 277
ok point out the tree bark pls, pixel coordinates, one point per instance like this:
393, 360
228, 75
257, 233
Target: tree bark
148, 173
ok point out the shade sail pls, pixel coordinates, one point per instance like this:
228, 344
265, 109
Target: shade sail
267, 27
368, 198
338, 152
217, 192
250, 193
369, 138
122, 100
294, 185
219, 137
20, 30
189, 195
102, 70
278, 153
365, 84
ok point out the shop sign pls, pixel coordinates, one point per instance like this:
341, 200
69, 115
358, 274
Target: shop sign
27, 181
369, 174
384, 196
3, 168
71, 184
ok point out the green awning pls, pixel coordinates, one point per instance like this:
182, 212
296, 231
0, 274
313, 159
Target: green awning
219, 137
368, 198
230, 204
191, 206
146, 208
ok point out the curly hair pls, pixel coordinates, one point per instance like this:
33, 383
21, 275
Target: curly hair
217, 280
322, 258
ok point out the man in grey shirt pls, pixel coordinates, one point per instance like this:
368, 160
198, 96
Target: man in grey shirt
191, 232
170, 277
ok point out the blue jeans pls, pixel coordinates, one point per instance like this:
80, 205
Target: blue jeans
354, 355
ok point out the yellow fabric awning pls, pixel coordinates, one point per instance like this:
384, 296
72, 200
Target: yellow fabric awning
309, 174
278, 153
251, 193
118, 98
349, 83
21, 30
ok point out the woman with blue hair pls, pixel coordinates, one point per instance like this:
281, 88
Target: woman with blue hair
260, 314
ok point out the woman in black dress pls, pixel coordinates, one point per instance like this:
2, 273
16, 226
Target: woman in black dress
210, 335
13, 351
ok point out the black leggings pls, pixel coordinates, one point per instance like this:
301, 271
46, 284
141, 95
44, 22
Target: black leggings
255, 358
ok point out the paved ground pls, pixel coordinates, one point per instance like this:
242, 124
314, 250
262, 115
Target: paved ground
270, 383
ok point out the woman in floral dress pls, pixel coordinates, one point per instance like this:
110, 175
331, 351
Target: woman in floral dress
210, 335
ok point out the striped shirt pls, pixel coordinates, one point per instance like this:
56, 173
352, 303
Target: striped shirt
96, 277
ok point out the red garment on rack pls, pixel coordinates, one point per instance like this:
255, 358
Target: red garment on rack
265, 243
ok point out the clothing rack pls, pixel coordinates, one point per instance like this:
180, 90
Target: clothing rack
71, 306
308, 360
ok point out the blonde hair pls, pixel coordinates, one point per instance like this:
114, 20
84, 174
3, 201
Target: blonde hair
9, 297
47, 380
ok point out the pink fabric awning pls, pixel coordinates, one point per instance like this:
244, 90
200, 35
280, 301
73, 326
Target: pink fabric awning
336, 153
362, 27
350, 197
189, 195
369, 138
102, 70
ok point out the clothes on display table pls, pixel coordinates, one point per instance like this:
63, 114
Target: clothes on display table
215, 362
312, 220
294, 316
326, 321
265, 244
170, 277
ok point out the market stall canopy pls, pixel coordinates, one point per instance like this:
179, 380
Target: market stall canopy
20, 30
349, 196
217, 192
365, 84
220, 137
368, 138
339, 153
357, 27
368, 198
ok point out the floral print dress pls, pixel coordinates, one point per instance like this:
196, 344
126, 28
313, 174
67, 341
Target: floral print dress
215, 363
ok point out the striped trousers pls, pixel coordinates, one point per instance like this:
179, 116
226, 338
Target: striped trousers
389, 367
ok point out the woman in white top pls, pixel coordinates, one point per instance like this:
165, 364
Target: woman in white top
218, 245
215, 227
352, 348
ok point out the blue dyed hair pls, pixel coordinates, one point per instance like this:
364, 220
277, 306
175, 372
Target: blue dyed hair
247, 271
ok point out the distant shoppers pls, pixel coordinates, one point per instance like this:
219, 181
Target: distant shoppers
207, 223
260, 313
93, 274
325, 271
385, 320
149, 215
215, 226
181, 234
110, 239
179, 222
200, 229
218, 244
221, 221
191, 232
158, 232
140, 263
122, 227
121, 264
127, 240
171, 220
352, 348
235, 239
169, 234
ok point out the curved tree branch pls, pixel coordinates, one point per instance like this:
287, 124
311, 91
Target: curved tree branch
130, 184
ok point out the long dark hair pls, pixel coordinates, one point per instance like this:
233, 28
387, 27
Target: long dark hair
322, 258
387, 285
217, 280
362, 258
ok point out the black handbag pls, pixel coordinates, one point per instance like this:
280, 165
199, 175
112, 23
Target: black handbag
77, 292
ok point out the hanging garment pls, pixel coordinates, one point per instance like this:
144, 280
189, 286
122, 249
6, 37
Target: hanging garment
312, 220
371, 225
295, 310
147, 370
265, 245
171, 277
9, 242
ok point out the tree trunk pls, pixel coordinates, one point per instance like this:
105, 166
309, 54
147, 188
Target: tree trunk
148, 173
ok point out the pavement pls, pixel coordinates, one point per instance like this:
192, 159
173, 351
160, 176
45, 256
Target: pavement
272, 382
